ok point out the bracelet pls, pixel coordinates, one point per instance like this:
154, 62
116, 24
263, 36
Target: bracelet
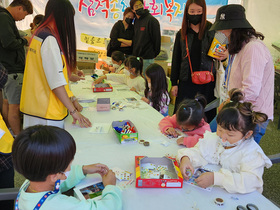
73, 112
73, 98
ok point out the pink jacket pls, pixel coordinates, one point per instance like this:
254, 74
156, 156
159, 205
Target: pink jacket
193, 136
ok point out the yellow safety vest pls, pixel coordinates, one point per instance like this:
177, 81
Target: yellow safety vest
37, 99
6, 141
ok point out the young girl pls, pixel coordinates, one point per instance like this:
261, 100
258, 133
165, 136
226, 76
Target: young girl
156, 94
233, 147
132, 76
118, 63
189, 118
43, 155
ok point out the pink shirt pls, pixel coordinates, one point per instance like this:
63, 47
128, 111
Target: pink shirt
193, 136
253, 72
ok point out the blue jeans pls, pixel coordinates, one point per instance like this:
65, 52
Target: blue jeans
258, 132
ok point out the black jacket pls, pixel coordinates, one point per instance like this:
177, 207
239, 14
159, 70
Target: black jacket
147, 39
12, 54
118, 31
180, 69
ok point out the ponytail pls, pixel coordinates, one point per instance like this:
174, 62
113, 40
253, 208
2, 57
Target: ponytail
191, 111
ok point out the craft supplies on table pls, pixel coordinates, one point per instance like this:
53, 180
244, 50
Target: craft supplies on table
125, 131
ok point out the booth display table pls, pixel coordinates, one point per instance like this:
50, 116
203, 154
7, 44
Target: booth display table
105, 148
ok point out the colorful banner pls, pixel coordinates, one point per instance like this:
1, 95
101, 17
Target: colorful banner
94, 19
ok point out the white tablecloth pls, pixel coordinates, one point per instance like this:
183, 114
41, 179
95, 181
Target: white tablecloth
105, 148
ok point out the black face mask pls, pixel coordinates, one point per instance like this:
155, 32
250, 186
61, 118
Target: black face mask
195, 19
140, 11
128, 21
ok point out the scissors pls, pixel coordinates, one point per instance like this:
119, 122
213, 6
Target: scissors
249, 206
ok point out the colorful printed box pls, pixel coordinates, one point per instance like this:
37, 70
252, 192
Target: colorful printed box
156, 172
125, 135
102, 87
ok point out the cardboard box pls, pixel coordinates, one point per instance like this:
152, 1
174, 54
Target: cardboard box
123, 136
157, 172
102, 87
103, 104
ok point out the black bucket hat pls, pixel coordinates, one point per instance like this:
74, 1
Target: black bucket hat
229, 17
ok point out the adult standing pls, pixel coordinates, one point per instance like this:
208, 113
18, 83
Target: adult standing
147, 38
12, 56
46, 97
250, 67
121, 34
195, 28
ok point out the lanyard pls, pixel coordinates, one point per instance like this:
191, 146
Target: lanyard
228, 70
43, 199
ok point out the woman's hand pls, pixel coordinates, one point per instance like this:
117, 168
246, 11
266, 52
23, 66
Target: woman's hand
205, 179
222, 55
171, 131
109, 178
184, 165
174, 90
95, 168
180, 141
77, 105
145, 100
83, 121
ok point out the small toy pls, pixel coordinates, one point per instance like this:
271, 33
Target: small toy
146, 143
219, 201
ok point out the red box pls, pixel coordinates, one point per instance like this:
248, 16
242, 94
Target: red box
102, 87
174, 181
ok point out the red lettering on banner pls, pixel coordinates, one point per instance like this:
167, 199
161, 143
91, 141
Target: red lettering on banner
169, 10
82, 4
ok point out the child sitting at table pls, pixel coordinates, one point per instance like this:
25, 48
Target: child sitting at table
43, 155
118, 63
233, 147
156, 94
189, 118
132, 76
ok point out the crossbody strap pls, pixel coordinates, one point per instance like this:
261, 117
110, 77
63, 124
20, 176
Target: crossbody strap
188, 55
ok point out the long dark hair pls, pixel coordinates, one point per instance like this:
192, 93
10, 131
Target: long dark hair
158, 85
240, 35
236, 116
60, 13
191, 111
185, 23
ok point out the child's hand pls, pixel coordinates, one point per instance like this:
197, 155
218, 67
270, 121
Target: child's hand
109, 178
96, 168
99, 80
171, 131
133, 89
145, 100
184, 165
180, 141
205, 179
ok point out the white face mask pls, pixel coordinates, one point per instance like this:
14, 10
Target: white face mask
126, 72
66, 174
227, 144
150, 86
116, 66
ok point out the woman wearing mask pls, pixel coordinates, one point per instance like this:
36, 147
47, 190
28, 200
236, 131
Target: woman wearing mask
121, 34
195, 28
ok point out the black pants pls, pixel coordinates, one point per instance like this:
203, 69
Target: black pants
7, 181
188, 90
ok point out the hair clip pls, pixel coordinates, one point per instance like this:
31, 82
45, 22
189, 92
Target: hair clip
138, 58
196, 99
